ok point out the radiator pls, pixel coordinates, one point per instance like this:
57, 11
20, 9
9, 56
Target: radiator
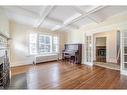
45, 58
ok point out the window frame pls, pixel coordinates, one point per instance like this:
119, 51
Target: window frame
51, 44
36, 45
45, 44
57, 45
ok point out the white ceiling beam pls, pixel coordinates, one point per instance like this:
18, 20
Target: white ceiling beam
69, 26
19, 10
84, 13
46, 12
88, 13
82, 16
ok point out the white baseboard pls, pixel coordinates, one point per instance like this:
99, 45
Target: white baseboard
21, 63
31, 60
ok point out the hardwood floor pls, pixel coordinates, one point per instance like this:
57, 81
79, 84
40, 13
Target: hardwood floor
61, 75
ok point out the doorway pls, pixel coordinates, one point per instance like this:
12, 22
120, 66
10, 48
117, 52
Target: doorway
100, 49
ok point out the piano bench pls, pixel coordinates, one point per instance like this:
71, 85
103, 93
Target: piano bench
67, 58
72, 59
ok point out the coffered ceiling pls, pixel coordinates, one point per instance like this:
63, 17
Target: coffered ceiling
61, 17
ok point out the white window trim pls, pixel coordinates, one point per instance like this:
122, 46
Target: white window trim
58, 43
51, 44
29, 44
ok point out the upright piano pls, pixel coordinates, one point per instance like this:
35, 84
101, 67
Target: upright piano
73, 50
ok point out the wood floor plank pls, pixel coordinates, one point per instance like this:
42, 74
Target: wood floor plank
61, 75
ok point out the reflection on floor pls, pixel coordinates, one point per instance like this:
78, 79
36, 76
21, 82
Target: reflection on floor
61, 75
108, 65
18, 81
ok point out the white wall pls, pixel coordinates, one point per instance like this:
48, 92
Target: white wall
19, 43
75, 37
4, 24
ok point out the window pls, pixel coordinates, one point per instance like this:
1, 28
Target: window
33, 43
44, 44
40, 44
55, 44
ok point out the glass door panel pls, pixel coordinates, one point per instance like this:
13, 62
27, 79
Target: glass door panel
124, 49
88, 49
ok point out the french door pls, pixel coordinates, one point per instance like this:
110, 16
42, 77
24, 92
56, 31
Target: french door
124, 50
88, 49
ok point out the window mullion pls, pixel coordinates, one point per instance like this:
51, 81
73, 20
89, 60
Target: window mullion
58, 45
44, 43
51, 44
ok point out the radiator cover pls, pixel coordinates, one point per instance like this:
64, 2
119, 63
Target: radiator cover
45, 58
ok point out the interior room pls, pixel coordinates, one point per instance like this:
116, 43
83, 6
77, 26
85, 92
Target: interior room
101, 49
63, 47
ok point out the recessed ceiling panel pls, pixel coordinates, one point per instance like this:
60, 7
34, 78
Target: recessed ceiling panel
64, 13
83, 22
60, 17
22, 19
72, 27
67, 29
20, 11
49, 24
87, 8
107, 12
34, 9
